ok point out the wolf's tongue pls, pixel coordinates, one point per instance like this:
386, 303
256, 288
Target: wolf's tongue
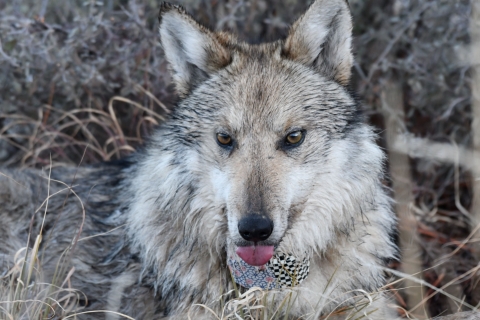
255, 255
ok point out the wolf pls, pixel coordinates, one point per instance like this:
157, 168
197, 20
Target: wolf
265, 154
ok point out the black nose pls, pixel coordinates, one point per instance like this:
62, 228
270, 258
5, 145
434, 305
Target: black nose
255, 227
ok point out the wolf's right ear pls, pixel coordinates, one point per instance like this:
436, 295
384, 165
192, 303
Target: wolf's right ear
322, 38
192, 50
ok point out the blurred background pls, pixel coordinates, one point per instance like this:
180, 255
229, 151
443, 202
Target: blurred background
85, 81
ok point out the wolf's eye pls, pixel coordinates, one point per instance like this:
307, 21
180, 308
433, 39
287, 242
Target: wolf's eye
224, 139
294, 138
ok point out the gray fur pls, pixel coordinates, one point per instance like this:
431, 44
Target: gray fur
174, 207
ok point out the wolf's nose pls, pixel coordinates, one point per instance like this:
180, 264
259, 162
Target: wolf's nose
255, 227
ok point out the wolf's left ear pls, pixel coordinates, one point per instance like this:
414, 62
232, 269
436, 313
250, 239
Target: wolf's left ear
322, 38
192, 50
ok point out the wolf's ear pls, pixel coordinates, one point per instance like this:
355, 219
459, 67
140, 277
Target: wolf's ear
192, 50
322, 38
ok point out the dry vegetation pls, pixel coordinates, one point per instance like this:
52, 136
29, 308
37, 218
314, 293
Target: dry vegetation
87, 80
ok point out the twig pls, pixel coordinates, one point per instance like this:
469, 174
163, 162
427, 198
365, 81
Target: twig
413, 18
392, 100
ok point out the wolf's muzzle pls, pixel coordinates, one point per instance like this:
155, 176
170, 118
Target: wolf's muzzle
255, 227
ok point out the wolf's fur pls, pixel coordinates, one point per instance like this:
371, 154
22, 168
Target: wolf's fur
178, 202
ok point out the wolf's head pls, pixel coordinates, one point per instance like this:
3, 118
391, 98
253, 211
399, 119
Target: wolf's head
267, 145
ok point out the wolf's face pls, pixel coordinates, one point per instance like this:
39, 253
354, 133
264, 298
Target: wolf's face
258, 121
265, 139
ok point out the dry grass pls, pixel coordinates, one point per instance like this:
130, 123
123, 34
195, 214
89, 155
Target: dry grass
255, 304
24, 294
87, 79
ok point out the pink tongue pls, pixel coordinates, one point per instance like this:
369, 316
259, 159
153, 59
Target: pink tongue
255, 255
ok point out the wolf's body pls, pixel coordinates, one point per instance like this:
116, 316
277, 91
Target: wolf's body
167, 216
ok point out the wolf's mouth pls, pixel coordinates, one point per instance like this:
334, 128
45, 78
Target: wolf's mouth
255, 255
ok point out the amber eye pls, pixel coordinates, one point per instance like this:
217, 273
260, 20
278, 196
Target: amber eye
224, 139
294, 138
